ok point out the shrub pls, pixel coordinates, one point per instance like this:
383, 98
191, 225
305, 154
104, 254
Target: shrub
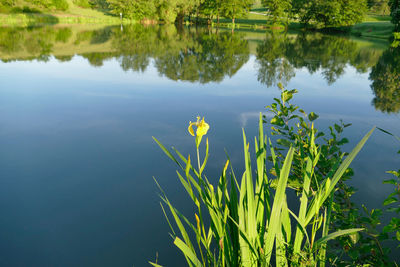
82, 3
60, 4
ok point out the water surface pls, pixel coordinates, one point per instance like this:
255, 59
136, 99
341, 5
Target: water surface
78, 108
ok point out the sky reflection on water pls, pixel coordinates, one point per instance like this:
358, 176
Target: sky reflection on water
77, 157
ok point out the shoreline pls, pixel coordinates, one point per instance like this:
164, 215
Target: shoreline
366, 29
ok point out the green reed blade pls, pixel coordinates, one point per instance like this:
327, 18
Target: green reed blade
303, 204
251, 209
336, 177
155, 264
279, 198
205, 158
187, 252
167, 152
335, 235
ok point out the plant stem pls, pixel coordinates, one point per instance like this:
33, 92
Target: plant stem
198, 161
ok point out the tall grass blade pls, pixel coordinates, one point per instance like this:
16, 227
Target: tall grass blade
336, 177
303, 205
187, 252
279, 198
335, 235
167, 152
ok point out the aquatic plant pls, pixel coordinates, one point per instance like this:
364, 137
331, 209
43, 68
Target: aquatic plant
250, 222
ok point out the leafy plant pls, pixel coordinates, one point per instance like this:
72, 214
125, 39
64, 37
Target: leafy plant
251, 222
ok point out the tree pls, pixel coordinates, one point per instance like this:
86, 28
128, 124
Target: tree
186, 7
135, 9
330, 13
211, 8
379, 6
279, 9
395, 13
235, 8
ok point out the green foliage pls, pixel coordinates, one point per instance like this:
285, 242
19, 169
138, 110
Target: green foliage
385, 76
211, 8
251, 221
393, 202
379, 6
395, 13
329, 13
60, 4
135, 9
82, 3
292, 126
165, 10
33, 6
101, 4
50, 4
278, 9
235, 8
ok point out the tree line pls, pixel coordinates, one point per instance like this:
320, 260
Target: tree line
320, 13
326, 13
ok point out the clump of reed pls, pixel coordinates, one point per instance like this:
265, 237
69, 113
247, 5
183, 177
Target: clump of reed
249, 220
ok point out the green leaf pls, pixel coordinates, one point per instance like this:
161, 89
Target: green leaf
284, 142
386, 132
338, 128
335, 235
391, 181
167, 152
155, 264
337, 176
187, 252
277, 121
280, 197
343, 141
354, 238
389, 201
312, 116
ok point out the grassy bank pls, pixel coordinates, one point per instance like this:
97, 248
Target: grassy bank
373, 26
375, 29
34, 19
73, 15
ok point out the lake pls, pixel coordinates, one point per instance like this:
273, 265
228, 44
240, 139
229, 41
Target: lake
79, 106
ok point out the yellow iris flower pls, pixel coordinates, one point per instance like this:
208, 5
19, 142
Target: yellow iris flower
202, 127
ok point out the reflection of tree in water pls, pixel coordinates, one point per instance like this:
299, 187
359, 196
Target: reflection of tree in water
273, 64
210, 58
385, 77
278, 57
97, 59
38, 42
187, 55
195, 55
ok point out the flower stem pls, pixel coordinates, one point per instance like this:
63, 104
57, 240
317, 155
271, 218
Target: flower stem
198, 161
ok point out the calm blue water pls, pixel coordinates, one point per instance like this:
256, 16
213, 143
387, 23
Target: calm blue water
77, 157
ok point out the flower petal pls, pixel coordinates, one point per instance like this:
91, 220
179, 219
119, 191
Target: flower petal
190, 128
202, 128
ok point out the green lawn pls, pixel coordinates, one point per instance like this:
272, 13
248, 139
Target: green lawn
74, 15
375, 18
378, 29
